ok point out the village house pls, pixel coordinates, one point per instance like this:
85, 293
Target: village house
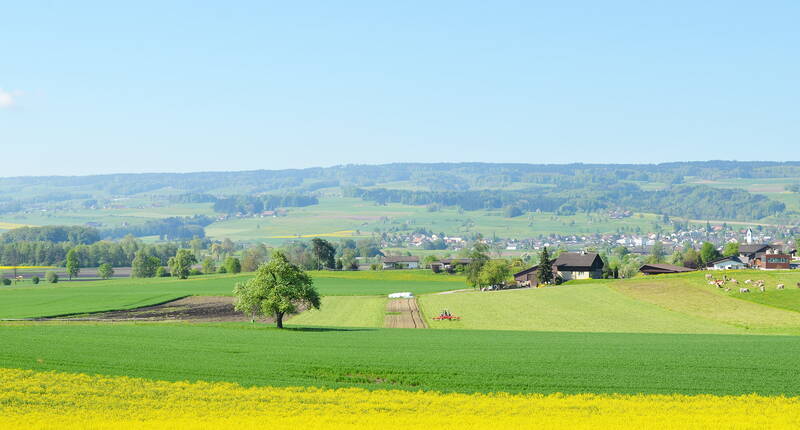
400, 262
772, 260
727, 263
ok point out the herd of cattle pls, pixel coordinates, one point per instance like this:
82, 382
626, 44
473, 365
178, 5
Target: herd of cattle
721, 283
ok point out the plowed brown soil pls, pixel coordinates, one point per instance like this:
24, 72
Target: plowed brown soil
403, 313
192, 309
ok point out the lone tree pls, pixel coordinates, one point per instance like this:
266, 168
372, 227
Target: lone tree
325, 253
232, 265
73, 263
279, 288
144, 265
105, 271
708, 253
181, 264
545, 267
478, 259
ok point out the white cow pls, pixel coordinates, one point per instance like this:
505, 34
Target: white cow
780, 286
744, 290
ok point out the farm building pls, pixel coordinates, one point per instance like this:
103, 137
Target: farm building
749, 251
660, 269
579, 265
771, 260
449, 264
727, 263
528, 277
568, 266
400, 262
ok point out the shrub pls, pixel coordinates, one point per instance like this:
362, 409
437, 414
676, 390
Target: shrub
222, 269
6, 281
51, 277
35, 280
195, 272
161, 272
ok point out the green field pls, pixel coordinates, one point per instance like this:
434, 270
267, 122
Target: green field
664, 334
95, 296
592, 307
345, 311
445, 360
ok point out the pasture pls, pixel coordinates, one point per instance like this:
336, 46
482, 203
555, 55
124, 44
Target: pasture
590, 307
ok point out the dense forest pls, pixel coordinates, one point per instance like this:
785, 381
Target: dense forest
691, 201
433, 176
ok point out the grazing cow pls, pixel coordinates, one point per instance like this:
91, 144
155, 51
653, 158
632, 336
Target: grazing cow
780, 286
748, 281
712, 283
762, 288
734, 281
744, 290
709, 276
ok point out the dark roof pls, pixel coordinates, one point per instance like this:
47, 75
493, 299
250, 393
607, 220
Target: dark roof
401, 259
526, 271
455, 260
754, 248
663, 268
578, 261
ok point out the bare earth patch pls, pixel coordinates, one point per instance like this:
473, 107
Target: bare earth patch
192, 309
403, 313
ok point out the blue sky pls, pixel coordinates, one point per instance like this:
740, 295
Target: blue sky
95, 87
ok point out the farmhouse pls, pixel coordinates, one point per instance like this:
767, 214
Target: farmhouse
568, 266
727, 263
400, 262
659, 269
579, 265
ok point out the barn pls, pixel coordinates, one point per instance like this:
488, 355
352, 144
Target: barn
660, 269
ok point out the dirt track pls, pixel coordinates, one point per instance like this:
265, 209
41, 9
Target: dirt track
403, 313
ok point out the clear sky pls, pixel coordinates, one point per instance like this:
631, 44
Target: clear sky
99, 87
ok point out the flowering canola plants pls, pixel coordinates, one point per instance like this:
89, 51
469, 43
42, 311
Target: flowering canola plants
42, 400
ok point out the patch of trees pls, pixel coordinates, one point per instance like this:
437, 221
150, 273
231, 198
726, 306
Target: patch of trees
58, 233
173, 228
257, 204
117, 254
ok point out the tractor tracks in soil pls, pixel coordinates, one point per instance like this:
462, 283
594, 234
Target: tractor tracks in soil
403, 313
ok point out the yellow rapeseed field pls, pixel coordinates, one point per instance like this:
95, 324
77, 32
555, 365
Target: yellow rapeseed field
342, 233
49, 400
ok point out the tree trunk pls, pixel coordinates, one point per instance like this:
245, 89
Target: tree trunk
279, 319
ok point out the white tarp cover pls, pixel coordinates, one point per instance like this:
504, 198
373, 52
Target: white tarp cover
405, 295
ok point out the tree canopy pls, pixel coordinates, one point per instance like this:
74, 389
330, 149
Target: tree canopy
278, 289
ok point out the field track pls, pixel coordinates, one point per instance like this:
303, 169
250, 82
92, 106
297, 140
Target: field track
404, 313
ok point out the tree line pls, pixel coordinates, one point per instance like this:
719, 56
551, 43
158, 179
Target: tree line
689, 201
